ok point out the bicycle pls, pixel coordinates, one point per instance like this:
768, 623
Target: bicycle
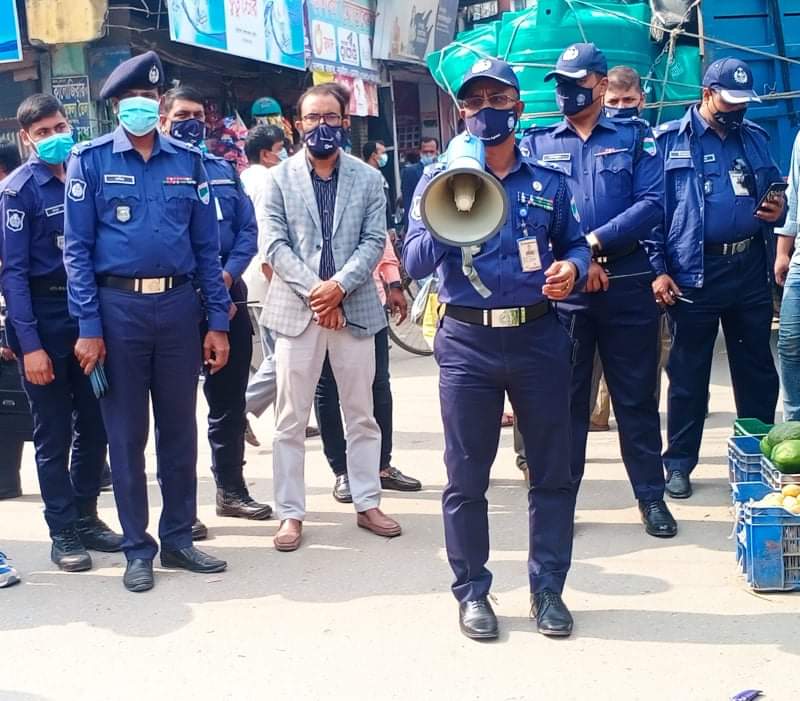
408, 335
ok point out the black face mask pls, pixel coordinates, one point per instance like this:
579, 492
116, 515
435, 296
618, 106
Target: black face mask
731, 121
572, 98
621, 112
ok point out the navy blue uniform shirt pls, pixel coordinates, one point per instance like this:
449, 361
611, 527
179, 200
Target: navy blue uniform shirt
32, 216
546, 213
728, 216
615, 176
124, 216
238, 230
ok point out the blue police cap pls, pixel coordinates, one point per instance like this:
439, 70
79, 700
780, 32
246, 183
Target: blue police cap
492, 68
732, 79
577, 61
140, 72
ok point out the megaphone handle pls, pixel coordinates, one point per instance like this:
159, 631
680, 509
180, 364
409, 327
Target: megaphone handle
468, 268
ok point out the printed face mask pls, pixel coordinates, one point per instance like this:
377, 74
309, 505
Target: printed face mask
492, 126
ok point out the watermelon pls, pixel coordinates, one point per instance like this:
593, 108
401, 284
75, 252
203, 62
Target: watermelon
766, 447
789, 431
786, 457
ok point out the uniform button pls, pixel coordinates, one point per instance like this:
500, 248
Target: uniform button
319, 248
586, 172
586, 197
503, 256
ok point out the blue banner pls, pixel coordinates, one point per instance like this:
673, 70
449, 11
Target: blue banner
263, 30
10, 43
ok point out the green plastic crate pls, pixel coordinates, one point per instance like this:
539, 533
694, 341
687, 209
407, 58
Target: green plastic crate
751, 427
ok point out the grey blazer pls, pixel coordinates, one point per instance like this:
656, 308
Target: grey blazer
293, 238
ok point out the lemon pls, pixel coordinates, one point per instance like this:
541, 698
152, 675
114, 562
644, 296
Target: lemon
790, 502
772, 499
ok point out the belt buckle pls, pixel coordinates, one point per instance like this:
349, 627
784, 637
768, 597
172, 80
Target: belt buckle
740, 246
152, 285
505, 318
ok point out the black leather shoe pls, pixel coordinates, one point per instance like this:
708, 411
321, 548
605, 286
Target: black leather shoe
477, 620
657, 519
678, 485
138, 575
392, 478
96, 535
341, 490
191, 559
239, 504
199, 530
551, 614
69, 553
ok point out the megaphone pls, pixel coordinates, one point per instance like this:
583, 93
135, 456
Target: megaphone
464, 205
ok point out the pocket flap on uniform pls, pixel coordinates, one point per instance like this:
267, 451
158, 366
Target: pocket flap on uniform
616, 162
118, 191
181, 191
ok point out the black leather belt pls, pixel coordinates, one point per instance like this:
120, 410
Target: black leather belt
47, 287
498, 318
728, 249
613, 256
142, 285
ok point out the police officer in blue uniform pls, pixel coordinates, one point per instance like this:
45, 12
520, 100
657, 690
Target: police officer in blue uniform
616, 179
712, 261
183, 118
509, 341
140, 228
68, 431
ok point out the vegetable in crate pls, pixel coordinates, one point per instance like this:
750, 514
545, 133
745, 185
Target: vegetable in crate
786, 457
766, 446
788, 431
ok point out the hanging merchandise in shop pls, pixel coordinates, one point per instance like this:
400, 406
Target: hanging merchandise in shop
10, 44
340, 33
73, 93
263, 30
408, 31
363, 93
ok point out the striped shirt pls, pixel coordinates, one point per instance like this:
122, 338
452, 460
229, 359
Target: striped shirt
325, 193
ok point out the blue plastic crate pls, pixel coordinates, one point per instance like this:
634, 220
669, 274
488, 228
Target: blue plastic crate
772, 548
740, 538
745, 491
744, 459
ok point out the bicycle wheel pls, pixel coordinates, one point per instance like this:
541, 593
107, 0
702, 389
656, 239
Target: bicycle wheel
408, 335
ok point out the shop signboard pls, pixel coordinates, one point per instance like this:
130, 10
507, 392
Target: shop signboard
10, 44
409, 31
73, 92
340, 34
263, 30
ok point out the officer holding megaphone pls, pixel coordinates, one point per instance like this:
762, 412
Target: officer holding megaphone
502, 234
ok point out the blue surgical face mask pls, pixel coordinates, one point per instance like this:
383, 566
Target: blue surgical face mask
138, 115
55, 148
427, 159
383, 159
190, 131
572, 98
492, 126
283, 154
323, 140
621, 112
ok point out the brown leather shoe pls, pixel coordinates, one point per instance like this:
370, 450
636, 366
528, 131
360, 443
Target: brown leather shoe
289, 535
378, 522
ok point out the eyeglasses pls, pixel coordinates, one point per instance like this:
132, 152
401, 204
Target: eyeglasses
331, 119
500, 101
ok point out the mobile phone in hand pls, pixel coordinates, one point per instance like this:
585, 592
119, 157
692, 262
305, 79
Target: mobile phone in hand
773, 194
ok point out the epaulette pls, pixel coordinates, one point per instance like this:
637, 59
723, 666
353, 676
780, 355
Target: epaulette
757, 127
16, 180
79, 148
662, 129
538, 127
182, 144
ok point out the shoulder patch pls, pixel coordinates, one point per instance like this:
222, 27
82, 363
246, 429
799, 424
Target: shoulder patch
15, 219
204, 192
649, 146
76, 189
573, 207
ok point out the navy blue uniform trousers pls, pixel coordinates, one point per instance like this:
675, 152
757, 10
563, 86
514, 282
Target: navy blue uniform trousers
68, 430
478, 366
152, 343
329, 413
225, 394
736, 292
622, 324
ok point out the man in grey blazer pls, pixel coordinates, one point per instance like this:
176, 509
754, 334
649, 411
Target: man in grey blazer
324, 218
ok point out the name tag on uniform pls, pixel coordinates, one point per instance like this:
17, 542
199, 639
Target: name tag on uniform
54, 210
738, 183
710, 158
222, 181
680, 154
529, 258
219, 209
114, 179
550, 157
179, 180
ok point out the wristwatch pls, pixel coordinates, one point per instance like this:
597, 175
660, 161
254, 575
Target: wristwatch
594, 242
341, 287
396, 285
